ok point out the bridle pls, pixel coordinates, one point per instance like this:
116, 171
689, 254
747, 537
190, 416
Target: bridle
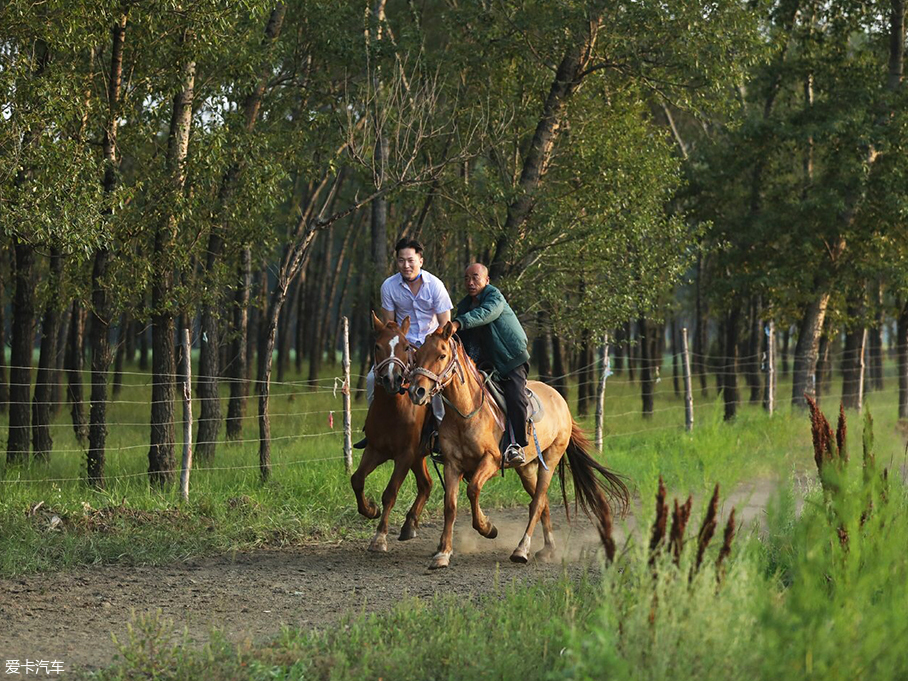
394, 359
443, 380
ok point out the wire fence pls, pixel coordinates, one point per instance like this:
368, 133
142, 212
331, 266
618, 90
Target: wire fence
335, 386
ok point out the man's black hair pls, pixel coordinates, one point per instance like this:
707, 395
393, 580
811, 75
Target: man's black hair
408, 243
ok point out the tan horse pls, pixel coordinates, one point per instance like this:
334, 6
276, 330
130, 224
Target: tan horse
470, 434
394, 427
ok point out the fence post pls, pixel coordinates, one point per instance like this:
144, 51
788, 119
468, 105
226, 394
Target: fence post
600, 397
187, 417
771, 367
688, 388
348, 415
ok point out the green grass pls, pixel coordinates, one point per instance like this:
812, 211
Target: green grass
309, 498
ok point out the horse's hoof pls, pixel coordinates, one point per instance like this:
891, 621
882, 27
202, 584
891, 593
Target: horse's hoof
407, 532
519, 556
440, 560
379, 544
492, 533
545, 555
371, 512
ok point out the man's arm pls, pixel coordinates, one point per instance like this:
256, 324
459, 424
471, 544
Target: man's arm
387, 304
490, 310
444, 318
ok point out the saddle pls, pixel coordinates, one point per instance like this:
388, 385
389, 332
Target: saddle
535, 413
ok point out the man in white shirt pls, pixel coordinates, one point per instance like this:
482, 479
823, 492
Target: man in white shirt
416, 294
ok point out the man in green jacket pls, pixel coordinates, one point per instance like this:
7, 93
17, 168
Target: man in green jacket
492, 333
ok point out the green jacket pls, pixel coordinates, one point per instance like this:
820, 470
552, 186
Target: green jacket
494, 328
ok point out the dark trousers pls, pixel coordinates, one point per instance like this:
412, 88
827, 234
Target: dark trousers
514, 386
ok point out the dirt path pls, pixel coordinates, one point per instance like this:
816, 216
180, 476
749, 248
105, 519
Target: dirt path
70, 616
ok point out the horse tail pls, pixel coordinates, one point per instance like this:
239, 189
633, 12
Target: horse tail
594, 491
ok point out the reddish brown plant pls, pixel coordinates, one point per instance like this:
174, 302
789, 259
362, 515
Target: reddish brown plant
840, 433
725, 551
708, 528
680, 516
658, 535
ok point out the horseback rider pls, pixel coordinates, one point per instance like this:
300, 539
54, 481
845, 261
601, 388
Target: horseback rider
415, 293
491, 332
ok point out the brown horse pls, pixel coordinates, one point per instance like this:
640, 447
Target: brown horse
470, 434
394, 427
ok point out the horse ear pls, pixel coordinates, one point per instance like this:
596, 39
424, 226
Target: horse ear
448, 331
377, 324
405, 325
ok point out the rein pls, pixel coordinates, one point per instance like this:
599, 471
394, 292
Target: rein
444, 379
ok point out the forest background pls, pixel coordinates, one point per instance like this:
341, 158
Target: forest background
242, 169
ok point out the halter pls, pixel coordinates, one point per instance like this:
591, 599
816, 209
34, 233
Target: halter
442, 380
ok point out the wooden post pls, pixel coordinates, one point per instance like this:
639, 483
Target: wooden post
770, 402
187, 417
348, 414
600, 396
688, 388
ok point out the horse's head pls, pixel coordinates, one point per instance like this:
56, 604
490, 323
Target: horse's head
433, 358
391, 353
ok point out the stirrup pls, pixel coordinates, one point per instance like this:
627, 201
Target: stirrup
361, 444
514, 454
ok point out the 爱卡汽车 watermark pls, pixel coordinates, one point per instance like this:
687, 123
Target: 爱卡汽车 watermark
35, 667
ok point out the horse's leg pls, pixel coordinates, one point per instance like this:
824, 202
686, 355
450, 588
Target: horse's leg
488, 468
358, 481
380, 540
537, 506
423, 489
528, 476
452, 486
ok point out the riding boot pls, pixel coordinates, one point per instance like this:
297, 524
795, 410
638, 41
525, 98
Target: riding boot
361, 444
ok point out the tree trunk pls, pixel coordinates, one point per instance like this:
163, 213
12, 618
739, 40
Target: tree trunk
161, 456
23, 341
285, 330
4, 385
143, 347
853, 355
648, 346
239, 384
73, 365
676, 351
701, 330
100, 312
100, 362
631, 350
120, 354
568, 78
875, 338
558, 369
902, 349
730, 369
209, 346
754, 351
57, 400
823, 367
585, 376
542, 348
42, 442
807, 349
786, 340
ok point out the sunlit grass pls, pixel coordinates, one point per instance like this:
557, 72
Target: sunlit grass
309, 497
